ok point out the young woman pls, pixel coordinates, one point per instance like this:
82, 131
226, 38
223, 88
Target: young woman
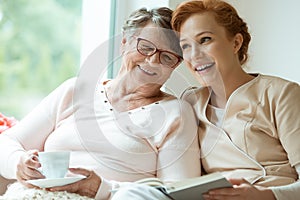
249, 123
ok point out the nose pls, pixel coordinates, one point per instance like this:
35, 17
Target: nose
197, 52
154, 58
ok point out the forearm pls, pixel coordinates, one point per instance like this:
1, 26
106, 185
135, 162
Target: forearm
10, 153
288, 192
30, 133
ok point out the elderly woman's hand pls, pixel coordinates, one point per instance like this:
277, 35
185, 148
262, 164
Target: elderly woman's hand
242, 190
27, 168
86, 187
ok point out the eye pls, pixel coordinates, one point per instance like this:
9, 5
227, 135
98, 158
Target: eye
204, 40
166, 57
147, 48
184, 46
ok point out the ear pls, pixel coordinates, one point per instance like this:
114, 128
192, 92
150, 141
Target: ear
124, 40
123, 44
238, 41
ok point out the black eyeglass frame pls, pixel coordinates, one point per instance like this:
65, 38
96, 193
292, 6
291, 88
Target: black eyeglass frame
180, 58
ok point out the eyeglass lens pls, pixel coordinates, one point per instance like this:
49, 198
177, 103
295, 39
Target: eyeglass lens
146, 48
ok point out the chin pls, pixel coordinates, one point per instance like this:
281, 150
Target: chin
199, 78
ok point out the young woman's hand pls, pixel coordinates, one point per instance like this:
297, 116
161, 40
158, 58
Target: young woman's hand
27, 168
85, 187
242, 190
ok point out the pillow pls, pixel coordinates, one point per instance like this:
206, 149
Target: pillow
6, 122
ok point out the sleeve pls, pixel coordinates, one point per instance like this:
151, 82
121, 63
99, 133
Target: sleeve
108, 188
105, 189
288, 192
30, 133
179, 155
288, 120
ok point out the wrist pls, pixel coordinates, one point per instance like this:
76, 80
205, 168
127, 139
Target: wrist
96, 184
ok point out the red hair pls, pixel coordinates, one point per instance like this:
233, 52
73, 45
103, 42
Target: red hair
225, 15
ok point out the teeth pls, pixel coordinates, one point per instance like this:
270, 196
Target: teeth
203, 67
147, 71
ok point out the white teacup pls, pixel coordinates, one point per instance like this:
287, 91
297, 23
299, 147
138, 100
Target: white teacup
55, 164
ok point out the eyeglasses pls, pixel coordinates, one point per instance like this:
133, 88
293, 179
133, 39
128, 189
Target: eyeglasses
167, 58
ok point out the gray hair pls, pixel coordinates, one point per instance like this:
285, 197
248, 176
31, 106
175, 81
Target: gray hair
139, 18
160, 16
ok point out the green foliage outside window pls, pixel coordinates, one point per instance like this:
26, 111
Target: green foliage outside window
39, 49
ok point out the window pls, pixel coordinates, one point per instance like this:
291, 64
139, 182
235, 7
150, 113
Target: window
40, 48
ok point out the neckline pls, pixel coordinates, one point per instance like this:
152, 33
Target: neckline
108, 105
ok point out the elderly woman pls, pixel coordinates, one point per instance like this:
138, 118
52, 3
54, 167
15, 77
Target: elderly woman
127, 131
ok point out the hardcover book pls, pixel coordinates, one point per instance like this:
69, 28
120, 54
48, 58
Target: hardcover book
191, 189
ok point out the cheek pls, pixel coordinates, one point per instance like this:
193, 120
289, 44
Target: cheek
163, 77
166, 71
133, 56
188, 64
221, 51
186, 54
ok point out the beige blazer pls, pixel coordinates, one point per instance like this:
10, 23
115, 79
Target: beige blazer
259, 138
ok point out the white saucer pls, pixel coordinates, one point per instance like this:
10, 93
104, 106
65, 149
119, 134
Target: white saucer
52, 182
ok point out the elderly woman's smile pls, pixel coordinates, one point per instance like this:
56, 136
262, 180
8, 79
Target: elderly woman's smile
147, 71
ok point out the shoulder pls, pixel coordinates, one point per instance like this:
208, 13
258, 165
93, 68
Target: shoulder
194, 94
275, 82
57, 102
174, 103
64, 90
275, 86
270, 90
62, 94
176, 107
67, 85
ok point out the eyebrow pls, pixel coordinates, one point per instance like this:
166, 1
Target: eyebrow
197, 35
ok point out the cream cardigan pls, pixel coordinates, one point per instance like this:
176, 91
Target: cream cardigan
259, 138
159, 139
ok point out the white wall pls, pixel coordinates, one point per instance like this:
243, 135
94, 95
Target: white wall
275, 29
